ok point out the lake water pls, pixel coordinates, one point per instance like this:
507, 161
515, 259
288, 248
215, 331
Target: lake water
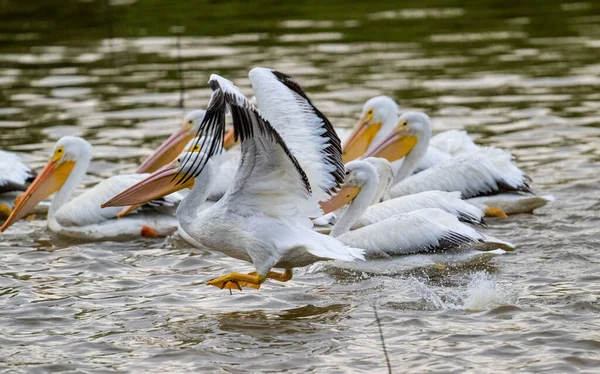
524, 77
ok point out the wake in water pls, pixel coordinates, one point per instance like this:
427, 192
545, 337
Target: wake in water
481, 292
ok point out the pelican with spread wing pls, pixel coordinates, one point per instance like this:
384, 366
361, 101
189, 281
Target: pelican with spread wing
290, 160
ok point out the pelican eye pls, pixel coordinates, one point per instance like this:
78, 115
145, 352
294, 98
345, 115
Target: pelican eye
404, 123
58, 153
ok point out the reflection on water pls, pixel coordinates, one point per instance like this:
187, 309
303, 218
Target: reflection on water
521, 76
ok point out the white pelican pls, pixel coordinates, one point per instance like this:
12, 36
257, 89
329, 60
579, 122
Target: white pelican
361, 177
379, 117
82, 217
291, 159
399, 228
221, 158
487, 171
176, 143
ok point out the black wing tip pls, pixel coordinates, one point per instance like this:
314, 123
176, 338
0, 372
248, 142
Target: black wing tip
453, 239
473, 220
290, 83
32, 174
12, 186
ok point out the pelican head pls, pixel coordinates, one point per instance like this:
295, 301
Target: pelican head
377, 119
386, 177
68, 151
411, 127
360, 175
170, 178
176, 143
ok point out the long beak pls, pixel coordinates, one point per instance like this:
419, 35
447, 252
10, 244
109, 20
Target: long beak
360, 139
48, 181
167, 151
229, 140
161, 183
393, 147
344, 196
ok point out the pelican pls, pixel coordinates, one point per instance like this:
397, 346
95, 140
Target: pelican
82, 217
14, 176
178, 141
378, 119
361, 177
397, 228
290, 160
488, 171
224, 160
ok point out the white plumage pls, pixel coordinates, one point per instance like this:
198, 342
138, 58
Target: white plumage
306, 131
487, 171
401, 226
418, 231
85, 209
82, 217
227, 169
14, 174
453, 142
449, 202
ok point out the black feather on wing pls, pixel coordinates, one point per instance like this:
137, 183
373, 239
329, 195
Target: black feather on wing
210, 135
334, 148
246, 121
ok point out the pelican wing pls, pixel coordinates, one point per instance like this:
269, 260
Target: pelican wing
485, 172
269, 179
14, 174
450, 202
306, 131
423, 230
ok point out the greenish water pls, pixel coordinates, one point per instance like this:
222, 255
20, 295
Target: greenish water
521, 76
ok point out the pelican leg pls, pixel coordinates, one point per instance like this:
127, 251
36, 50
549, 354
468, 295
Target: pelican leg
493, 211
282, 277
234, 281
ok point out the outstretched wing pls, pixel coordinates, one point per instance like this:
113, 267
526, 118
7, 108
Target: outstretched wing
269, 178
306, 131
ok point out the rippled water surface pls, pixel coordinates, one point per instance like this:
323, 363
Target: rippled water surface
525, 78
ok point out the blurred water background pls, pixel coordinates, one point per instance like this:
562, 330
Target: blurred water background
523, 76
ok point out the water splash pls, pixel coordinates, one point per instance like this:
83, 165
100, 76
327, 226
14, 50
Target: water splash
481, 292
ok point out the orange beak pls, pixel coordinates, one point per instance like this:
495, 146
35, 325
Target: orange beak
48, 181
360, 139
167, 151
161, 183
344, 196
395, 146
